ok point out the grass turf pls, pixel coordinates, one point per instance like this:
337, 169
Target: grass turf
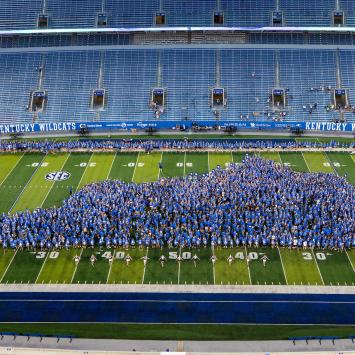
85, 168
179, 331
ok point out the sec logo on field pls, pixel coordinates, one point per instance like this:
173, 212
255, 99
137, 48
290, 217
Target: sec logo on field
58, 176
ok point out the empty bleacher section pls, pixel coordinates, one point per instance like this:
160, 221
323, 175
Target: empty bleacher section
307, 12
308, 84
263, 74
187, 75
18, 77
22, 14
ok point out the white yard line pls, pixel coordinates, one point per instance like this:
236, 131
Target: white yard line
184, 164
24, 188
331, 163
11, 170
179, 268
109, 171
213, 268
246, 254
145, 266
109, 270
282, 263
320, 274
45, 259
208, 161
53, 183
351, 263
8, 266
135, 166
82, 176
232, 160
161, 161
76, 266
305, 160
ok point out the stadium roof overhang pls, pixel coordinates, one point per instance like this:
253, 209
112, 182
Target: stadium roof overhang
177, 29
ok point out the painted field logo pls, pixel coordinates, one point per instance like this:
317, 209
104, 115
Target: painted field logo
58, 176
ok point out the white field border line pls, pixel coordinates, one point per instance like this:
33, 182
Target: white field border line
11, 170
40, 271
351, 263
315, 259
161, 161
135, 166
246, 255
84, 172
113, 160
27, 183
282, 263
246, 300
184, 164
53, 182
145, 266
213, 268
179, 268
8, 266
76, 266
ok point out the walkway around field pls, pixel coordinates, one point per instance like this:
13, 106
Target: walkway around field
35, 346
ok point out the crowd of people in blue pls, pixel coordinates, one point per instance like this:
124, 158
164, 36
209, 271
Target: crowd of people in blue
256, 203
159, 144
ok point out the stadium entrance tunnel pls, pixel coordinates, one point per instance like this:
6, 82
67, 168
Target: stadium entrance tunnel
212, 308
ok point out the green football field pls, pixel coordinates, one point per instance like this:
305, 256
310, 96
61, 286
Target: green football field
23, 185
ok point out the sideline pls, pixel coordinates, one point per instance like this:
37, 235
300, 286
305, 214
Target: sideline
146, 288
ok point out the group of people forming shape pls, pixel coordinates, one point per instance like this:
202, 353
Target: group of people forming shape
163, 259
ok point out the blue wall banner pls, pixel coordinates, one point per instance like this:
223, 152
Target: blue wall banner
68, 126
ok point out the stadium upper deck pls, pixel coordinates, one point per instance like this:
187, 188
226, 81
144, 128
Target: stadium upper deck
20, 14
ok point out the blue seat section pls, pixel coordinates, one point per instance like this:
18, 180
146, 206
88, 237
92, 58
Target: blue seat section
18, 77
349, 7
307, 12
73, 14
188, 89
276, 38
129, 77
249, 13
247, 76
301, 70
347, 60
188, 75
132, 13
19, 14
69, 79
22, 14
187, 12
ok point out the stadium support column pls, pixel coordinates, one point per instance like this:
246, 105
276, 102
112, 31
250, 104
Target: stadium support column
277, 69
337, 5
159, 71
40, 81
100, 79
338, 79
44, 7
103, 7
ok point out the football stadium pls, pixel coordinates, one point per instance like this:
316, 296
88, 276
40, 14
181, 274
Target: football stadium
177, 176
